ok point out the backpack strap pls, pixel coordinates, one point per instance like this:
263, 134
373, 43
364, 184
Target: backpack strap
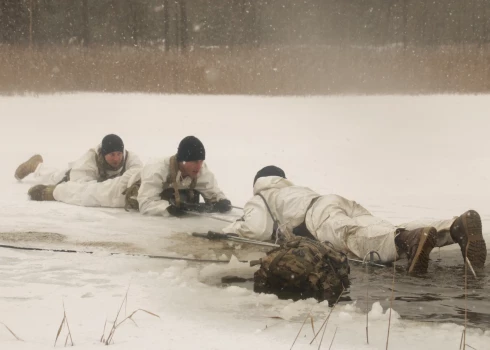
172, 178
276, 222
174, 182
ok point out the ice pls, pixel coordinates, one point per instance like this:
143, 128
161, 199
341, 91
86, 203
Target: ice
403, 158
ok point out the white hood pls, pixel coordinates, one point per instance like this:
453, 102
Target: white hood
287, 202
271, 182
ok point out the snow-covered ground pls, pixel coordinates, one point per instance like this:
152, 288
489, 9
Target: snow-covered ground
404, 158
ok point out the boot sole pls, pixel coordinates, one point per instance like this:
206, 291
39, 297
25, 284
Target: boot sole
420, 261
476, 249
20, 174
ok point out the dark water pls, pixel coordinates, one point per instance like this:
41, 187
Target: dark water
438, 296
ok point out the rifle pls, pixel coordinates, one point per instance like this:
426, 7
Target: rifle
233, 237
212, 235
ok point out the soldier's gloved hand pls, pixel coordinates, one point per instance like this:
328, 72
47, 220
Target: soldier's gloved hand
176, 211
203, 208
223, 205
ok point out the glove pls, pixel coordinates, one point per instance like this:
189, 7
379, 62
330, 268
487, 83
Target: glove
195, 207
176, 211
203, 208
223, 205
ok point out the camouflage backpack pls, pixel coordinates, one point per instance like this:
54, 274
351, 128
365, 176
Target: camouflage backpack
303, 268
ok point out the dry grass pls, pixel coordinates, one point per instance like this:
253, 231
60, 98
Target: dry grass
463, 336
63, 322
391, 304
325, 322
333, 338
11, 332
367, 303
266, 71
308, 316
110, 337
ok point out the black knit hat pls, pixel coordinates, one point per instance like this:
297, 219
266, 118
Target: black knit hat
190, 149
270, 170
111, 143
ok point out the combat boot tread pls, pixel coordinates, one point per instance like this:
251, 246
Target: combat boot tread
475, 248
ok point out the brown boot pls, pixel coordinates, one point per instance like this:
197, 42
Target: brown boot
28, 167
467, 232
41, 193
417, 244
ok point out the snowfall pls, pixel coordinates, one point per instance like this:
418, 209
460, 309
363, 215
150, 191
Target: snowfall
402, 157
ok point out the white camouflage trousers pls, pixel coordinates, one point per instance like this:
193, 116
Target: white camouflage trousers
354, 230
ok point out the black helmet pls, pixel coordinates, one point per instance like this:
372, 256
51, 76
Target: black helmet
270, 170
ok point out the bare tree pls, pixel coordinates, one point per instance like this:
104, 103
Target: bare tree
85, 23
183, 26
166, 25
12, 21
134, 20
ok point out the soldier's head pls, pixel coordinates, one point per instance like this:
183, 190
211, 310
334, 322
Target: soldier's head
270, 170
190, 156
112, 149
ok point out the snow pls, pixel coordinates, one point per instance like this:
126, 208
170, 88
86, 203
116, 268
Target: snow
403, 158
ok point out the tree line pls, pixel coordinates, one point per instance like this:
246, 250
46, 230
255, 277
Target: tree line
185, 24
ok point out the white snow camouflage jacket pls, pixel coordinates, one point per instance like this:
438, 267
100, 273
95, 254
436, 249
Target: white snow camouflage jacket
155, 174
84, 189
287, 202
85, 169
348, 226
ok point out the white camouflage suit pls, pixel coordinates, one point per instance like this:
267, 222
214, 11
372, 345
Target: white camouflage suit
155, 174
346, 224
84, 187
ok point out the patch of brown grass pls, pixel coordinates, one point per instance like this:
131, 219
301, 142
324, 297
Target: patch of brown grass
264, 71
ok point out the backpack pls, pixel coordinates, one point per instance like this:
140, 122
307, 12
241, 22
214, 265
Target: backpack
303, 268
